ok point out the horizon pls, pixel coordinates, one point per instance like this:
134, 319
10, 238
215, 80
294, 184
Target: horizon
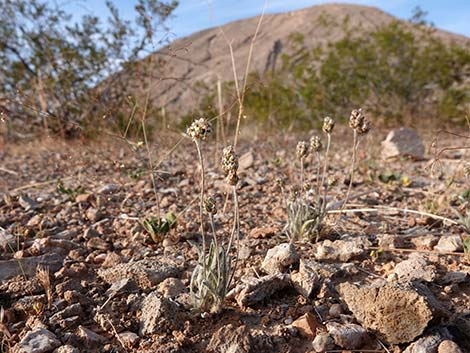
449, 16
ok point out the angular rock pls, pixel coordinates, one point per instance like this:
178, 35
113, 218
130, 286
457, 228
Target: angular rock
6, 239
91, 338
66, 349
108, 189
94, 215
342, 250
427, 344
449, 243
255, 290
27, 203
403, 142
280, 258
349, 336
171, 287
307, 326
415, 268
229, 339
310, 276
147, 273
398, 314
15, 267
448, 346
129, 339
246, 161
323, 342
159, 314
39, 340
263, 232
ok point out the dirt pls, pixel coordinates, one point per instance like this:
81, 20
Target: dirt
74, 209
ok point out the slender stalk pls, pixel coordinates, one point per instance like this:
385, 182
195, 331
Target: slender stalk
219, 272
235, 236
353, 164
318, 172
301, 175
201, 203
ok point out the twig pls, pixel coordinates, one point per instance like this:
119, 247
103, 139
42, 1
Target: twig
43, 183
397, 209
8, 171
418, 251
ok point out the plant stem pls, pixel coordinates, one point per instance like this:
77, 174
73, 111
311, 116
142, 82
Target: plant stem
235, 236
351, 175
301, 175
201, 204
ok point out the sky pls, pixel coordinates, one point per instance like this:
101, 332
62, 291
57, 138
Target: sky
195, 15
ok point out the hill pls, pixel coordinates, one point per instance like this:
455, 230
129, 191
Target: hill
204, 57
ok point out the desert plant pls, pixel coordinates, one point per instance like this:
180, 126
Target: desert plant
307, 209
215, 268
59, 71
158, 227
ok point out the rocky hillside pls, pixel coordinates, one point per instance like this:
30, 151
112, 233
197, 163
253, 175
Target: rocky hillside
205, 56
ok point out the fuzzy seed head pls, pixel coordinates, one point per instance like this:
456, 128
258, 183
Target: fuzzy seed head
328, 125
230, 165
466, 170
315, 144
356, 119
302, 150
199, 129
210, 206
364, 128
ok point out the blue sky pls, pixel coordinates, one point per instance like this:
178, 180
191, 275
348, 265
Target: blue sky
195, 15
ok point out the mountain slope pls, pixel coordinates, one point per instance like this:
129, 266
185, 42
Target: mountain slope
205, 56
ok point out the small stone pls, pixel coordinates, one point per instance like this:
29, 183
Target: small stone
39, 340
426, 344
83, 198
90, 337
171, 287
112, 259
448, 346
404, 142
94, 215
307, 326
263, 232
455, 277
6, 239
34, 221
349, 336
335, 310
98, 244
245, 161
449, 243
27, 203
66, 349
280, 258
158, 315
108, 189
425, 242
310, 276
255, 290
415, 268
342, 250
323, 342
10, 268
129, 339
231, 339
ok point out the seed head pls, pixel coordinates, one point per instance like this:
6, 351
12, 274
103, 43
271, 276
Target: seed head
466, 170
315, 144
328, 125
302, 149
356, 119
230, 165
210, 206
332, 181
364, 128
199, 129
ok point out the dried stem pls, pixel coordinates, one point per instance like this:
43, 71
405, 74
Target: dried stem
201, 202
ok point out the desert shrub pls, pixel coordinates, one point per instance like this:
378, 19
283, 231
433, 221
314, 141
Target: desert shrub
60, 73
397, 71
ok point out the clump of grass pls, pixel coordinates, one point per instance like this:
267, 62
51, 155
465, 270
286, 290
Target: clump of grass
44, 277
215, 268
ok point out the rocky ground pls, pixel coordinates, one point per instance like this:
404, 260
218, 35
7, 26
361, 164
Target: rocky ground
78, 273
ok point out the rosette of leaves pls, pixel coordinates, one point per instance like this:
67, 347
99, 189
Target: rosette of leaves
210, 278
304, 220
158, 227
